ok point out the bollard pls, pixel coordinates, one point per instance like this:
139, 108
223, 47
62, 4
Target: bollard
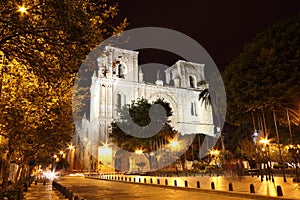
175, 183
71, 194
252, 190
212, 185
125, 178
133, 179
145, 180
151, 180
35, 182
166, 182
63, 191
122, 178
139, 180
67, 193
25, 187
185, 183
279, 191
198, 184
230, 187
129, 179
158, 181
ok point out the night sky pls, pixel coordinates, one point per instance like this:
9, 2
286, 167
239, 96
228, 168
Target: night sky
221, 27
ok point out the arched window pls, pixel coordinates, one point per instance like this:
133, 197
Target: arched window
192, 81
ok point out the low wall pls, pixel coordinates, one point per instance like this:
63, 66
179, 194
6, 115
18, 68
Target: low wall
194, 184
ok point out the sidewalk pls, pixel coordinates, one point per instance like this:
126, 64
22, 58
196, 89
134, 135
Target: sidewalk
43, 192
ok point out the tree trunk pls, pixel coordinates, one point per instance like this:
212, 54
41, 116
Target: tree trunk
18, 172
6, 170
23, 172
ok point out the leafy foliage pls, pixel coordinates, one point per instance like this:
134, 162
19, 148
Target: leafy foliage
265, 75
139, 113
52, 36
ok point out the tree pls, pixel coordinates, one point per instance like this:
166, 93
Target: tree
36, 116
44, 43
53, 37
217, 102
138, 111
265, 75
247, 149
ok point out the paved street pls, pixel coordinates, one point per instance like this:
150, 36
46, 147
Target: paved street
99, 189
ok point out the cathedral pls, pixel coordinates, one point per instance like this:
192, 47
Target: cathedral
117, 82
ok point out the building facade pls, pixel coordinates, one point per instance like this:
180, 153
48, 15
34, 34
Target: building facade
118, 81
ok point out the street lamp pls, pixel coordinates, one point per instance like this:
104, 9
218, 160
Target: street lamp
105, 154
71, 147
61, 152
22, 9
174, 144
139, 151
214, 154
265, 142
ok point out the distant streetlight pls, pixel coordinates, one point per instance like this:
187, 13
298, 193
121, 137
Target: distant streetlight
22, 9
105, 145
174, 144
214, 152
266, 148
139, 151
71, 147
264, 141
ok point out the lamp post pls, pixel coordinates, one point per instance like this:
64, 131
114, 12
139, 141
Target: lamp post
105, 156
174, 147
266, 147
61, 157
214, 154
71, 148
